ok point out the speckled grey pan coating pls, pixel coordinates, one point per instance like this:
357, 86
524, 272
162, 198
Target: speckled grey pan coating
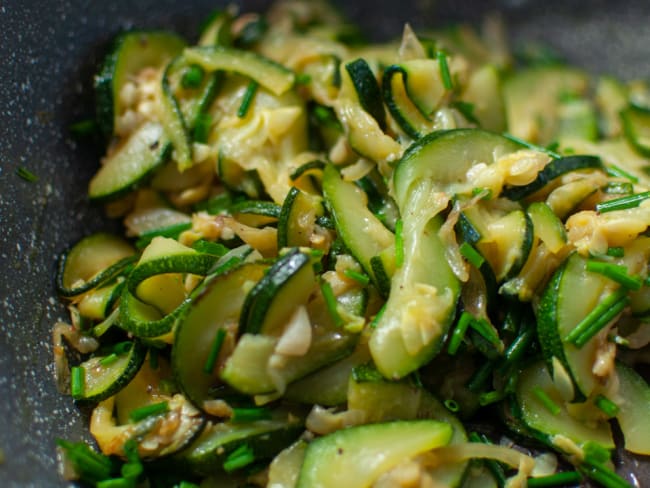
48, 52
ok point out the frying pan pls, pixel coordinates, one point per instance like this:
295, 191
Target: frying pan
48, 53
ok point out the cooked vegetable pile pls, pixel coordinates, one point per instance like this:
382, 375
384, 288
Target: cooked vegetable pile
344, 263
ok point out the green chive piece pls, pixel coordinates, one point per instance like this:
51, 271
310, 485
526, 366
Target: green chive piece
249, 95
485, 329
451, 405
172, 231
361, 278
202, 125
211, 360
557, 479
519, 345
458, 334
485, 193
444, 70
77, 381
26, 175
192, 77
330, 302
250, 414
534, 147
480, 377
594, 453
606, 405
122, 347
603, 475
547, 401
472, 255
89, 464
615, 252
83, 128
131, 471
622, 203
138, 414
240, 457
490, 397
208, 247
601, 312
399, 243
615, 272
108, 360
116, 483
618, 172
375, 320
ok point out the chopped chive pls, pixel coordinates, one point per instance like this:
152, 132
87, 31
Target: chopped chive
131, 471
108, 360
192, 77
451, 405
617, 171
77, 381
547, 401
122, 347
240, 457
534, 147
599, 313
115, 483
485, 193
399, 243
330, 302
172, 231
208, 247
472, 255
458, 334
489, 397
26, 175
606, 405
553, 146
250, 414
480, 377
618, 188
361, 278
615, 252
247, 99
89, 464
303, 79
215, 349
375, 320
603, 475
519, 345
615, 272
557, 479
444, 70
141, 413
485, 329
202, 125
622, 203
83, 128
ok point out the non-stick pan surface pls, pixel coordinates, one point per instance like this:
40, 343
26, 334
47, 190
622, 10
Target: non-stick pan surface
48, 52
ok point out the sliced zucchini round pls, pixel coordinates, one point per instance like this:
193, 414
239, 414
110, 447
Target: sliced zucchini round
131, 163
130, 53
91, 262
104, 377
198, 351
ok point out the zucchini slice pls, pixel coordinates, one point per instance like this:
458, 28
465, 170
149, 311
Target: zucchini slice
271, 75
131, 163
91, 262
131, 52
634, 409
547, 424
104, 378
558, 313
367, 88
298, 218
207, 454
362, 233
636, 127
271, 303
358, 456
214, 307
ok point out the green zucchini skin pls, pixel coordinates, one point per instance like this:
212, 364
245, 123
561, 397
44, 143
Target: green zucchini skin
130, 52
368, 91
